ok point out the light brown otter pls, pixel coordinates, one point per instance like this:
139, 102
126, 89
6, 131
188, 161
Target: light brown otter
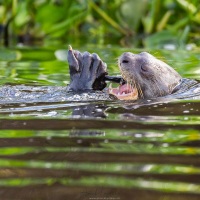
146, 76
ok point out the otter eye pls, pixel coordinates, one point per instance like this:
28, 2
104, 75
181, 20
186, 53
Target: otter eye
125, 61
144, 68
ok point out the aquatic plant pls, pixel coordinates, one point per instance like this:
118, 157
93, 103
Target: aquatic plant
139, 23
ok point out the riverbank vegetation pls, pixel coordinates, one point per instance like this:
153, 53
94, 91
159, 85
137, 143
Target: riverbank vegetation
137, 23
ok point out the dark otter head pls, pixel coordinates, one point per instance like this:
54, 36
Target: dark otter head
151, 77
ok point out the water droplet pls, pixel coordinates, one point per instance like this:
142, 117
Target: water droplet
165, 145
31, 140
186, 111
138, 135
52, 113
196, 90
48, 165
48, 137
79, 141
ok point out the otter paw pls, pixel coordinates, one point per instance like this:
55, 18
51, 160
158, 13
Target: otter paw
87, 71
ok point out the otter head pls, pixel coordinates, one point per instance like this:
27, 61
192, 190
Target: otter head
150, 76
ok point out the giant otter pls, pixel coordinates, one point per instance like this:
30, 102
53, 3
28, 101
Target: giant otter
143, 77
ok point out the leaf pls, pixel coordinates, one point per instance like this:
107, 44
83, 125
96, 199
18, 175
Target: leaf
64, 25
48, 15
150, 22
157, 40
179, 24
133, 19
8, 55
107, 18
184, 35
189, 7
163, 22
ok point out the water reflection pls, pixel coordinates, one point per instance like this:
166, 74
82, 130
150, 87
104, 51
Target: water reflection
84, 150
95, 165
90, 111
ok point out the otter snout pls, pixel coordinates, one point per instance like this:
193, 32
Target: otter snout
126, 58
134, 62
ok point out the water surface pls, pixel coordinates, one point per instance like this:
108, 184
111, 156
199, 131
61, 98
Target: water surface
96, 150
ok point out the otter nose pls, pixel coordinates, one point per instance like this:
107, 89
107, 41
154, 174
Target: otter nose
126, 57
128, 54
144, 54
125, 61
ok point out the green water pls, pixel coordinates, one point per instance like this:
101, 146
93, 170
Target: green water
96, 150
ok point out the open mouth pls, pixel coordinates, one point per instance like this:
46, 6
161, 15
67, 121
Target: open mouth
124, 92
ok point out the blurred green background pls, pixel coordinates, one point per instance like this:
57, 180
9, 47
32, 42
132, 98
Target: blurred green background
129, 23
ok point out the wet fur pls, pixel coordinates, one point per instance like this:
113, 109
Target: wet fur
158, 78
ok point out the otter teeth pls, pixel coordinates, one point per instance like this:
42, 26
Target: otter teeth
110, 88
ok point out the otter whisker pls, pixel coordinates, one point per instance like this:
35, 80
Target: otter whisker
140, 90
133, 84
137, 86
159, 90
